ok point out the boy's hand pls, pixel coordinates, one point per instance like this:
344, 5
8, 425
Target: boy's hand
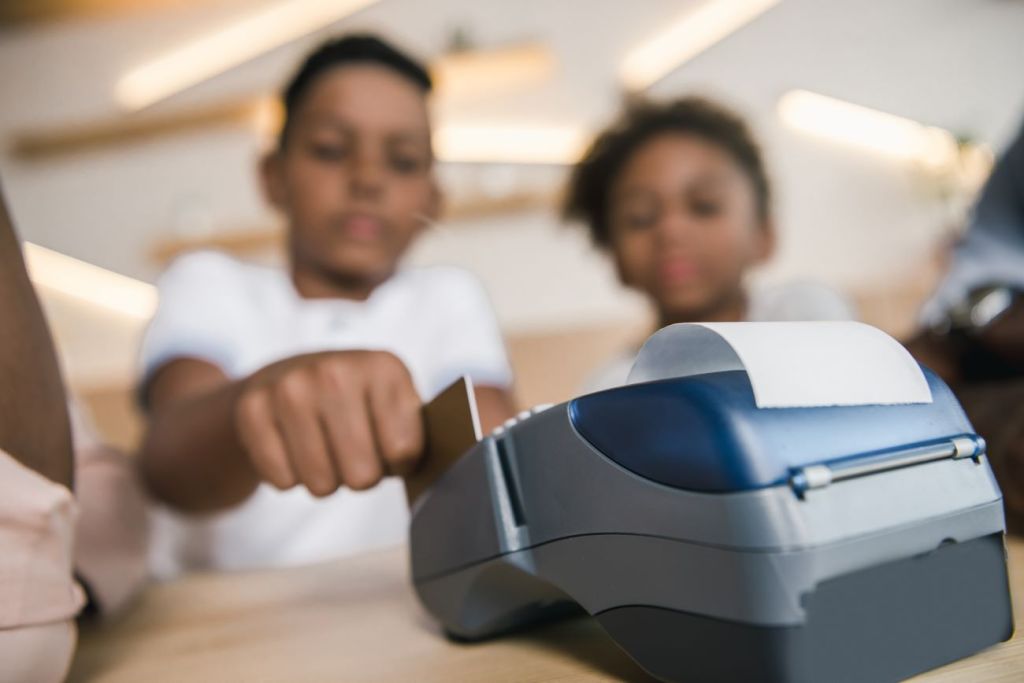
332, 419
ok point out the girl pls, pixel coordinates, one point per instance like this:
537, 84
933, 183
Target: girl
678, 195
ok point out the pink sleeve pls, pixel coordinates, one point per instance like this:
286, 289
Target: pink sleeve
37, 520
112, 531
38, 595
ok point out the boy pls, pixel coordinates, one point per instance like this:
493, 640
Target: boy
280, 402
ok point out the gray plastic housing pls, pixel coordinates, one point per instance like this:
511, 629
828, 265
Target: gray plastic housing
537, 519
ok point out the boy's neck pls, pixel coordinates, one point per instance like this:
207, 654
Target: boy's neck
318, 284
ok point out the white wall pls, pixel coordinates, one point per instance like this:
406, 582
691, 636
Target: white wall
848, 217
844, 217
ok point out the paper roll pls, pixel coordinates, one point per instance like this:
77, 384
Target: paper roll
790, 364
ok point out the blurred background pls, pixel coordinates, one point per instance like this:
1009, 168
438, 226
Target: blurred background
130, 131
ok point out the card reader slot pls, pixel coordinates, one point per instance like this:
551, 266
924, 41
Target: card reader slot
511, 487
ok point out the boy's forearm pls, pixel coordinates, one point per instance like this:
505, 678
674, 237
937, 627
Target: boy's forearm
194, 457
191, 456
34, 424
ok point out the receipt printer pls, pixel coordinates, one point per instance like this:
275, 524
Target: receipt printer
761, 502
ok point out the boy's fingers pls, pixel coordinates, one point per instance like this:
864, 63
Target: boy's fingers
297, 412
258, 433
397, 424
347, 423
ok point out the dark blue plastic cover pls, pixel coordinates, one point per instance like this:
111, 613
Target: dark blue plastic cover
704, 432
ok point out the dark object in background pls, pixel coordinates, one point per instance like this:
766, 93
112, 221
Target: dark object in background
978, 349
973, 334
983, 336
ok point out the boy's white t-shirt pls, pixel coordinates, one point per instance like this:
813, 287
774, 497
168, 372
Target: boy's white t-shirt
242, 317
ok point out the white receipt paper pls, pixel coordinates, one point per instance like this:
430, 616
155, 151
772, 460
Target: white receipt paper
790, 364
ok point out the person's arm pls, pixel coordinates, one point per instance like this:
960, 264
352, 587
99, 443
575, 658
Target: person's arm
191, 457
34, 425
321, 420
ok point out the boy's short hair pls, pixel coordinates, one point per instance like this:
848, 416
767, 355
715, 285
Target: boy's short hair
592, 178
358, 48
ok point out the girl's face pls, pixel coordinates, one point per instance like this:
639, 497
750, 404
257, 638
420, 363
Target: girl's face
355, 176
684, 227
